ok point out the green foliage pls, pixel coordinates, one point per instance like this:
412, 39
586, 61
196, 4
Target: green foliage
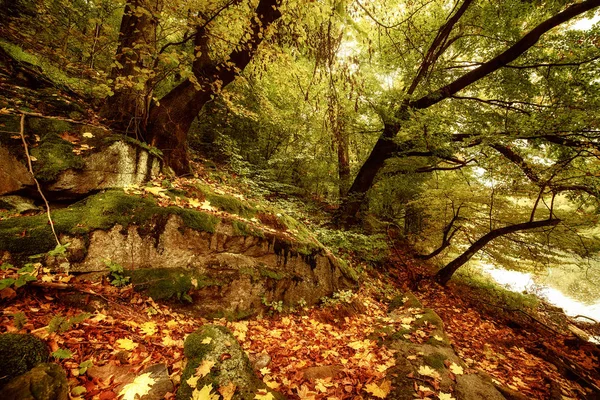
273, 306
83, 367
19, 319
117, 274
339, 297
169, 283
62, 354
23, 275
370, 248
61, 324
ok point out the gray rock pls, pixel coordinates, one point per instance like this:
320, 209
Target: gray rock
162, 383
19, 353
14, 176
215, 344
44, 382
474, 387
18, 204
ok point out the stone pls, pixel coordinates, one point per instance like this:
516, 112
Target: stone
14, 176
19, 353
44, 382
162, 383
215, 344
322, 372
474, 387
18, 204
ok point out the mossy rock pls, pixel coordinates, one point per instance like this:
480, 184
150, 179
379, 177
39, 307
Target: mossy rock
167, 283
33, 235
216, 344
19, 353
407, 300
435, 360
54, 155
44, 382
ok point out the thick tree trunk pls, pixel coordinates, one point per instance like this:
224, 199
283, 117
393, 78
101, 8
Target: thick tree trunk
444, 274
126, 109
384, 148
170, 121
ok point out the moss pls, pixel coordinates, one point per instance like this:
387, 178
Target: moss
46, 381
269, 273
19, 353
407, 300
435, 360
252, 272
243, 229
32, 235
167, 283
234, 369
348, 270
431, 318
54, 155
399, 334
232, 315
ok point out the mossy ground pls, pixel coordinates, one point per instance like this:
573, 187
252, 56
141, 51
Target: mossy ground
19, 353
32, 235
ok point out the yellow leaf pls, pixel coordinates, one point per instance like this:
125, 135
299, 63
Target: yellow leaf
227, 391
206, 340
155, 190
264, 395
428, 371
271, 384
192, 381
204, 368
265, 371
305, 394
168, 341
172, 324
320, 386
438, 338
445, 396
126, 344
456, 369
140, 386
149, 328
206, 206
380, 391
204, 394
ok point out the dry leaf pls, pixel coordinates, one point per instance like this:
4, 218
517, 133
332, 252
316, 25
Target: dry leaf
204, 368
264, 395
140, 386
456, 369
380, 391
204, 394
227, 391
126, 344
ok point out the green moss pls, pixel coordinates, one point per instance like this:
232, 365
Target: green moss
243, 229
45, 381
54, 155
168, 283
407, 300
435, 360
269, 273
399, 334
431, 318
252, 272
32, 235
348, 270
19, 353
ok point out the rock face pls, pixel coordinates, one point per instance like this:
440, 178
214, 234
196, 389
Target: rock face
44, 382
19, 353
415, 351
227, 366
71, 159
224, 272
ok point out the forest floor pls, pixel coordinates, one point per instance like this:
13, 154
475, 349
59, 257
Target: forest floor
133, 332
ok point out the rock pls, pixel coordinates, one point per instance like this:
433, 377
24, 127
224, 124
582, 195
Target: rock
474, 387
19, 204
14, 176
162, 383
259, 360
44, 382
19, 353
323, 372
215, 344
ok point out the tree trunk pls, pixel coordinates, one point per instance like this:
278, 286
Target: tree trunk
444, 274
125, 110
343, 156
385, 148
170, 121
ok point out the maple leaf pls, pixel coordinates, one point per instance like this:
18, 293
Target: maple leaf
380, 391
88, 135
227, 391
204, 368
192, 381
264, 395
428, 371
204, 394
445, 396
126, 344
305, 394
456, 369
140, 386
170, 342
206, 340
149, 328
265, 371
271, 384
206, 206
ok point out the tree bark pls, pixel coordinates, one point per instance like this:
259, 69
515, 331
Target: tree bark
385, 148
444, 274
126, 109
170, 121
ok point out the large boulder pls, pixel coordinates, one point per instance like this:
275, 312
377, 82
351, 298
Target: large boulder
19, 353
216, 362
71, 159
43, 382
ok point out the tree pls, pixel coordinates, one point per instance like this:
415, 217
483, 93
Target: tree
167, 122
386, 147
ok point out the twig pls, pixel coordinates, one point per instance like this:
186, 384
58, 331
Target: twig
583, 316
37, 184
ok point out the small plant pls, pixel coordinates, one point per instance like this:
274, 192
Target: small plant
343, 296
275, 306
302, 303
83, 367
18, 277
19, 319
117, 274
62, 324
62, 354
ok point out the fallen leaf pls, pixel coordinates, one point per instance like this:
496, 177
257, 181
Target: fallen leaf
207, 340
126, 344
227, 391
192, 381
204, 394
428, 371
445, 396
140, 386
264, 395
204, 368
381, 390
456, 369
